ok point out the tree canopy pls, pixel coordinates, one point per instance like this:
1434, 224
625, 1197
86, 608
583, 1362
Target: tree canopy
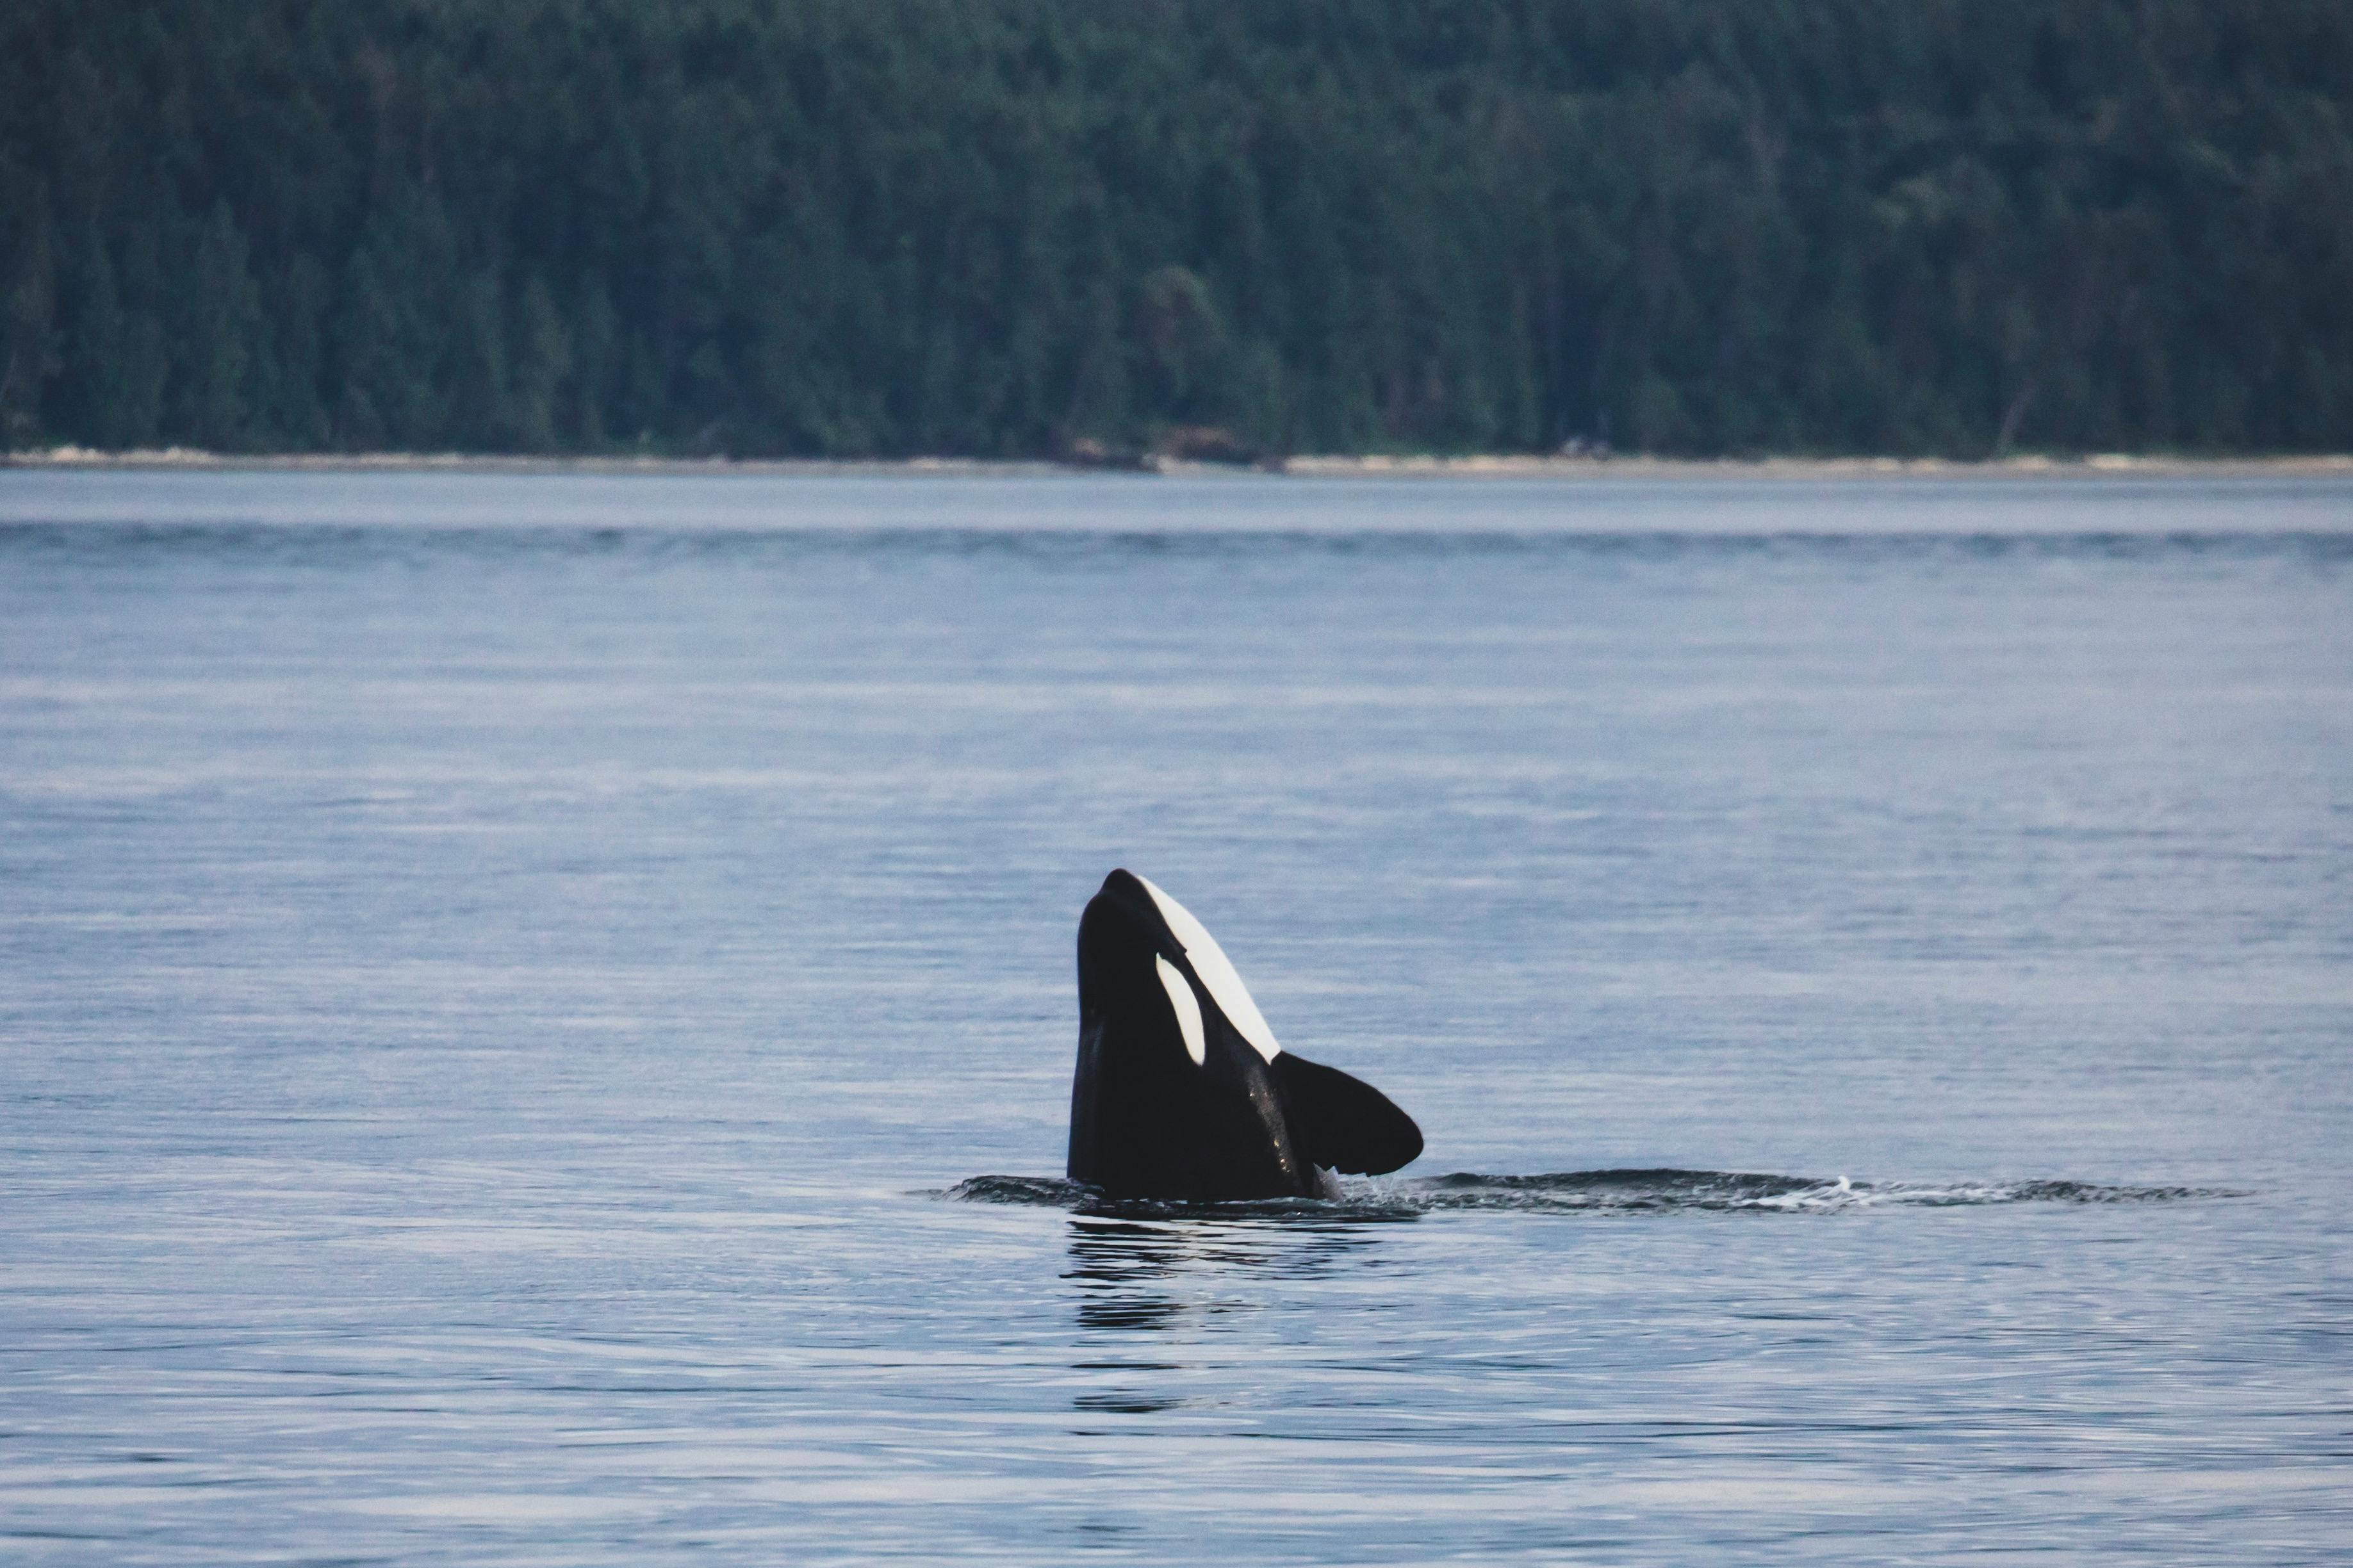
1000, 228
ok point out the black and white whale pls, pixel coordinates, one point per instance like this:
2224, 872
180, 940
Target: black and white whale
1181, 1091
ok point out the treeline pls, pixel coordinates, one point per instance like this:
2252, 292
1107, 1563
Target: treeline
1022, 226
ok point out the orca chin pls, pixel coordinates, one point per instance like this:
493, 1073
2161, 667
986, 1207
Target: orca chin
1181, 1091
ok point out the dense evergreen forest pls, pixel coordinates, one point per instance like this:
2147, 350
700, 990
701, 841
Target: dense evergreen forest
855, 227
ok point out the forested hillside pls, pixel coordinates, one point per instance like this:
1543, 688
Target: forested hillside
1010, 227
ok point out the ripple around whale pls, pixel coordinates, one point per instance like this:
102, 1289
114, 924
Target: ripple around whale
1588, 1191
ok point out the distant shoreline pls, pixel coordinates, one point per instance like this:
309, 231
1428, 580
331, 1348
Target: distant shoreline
1477, 466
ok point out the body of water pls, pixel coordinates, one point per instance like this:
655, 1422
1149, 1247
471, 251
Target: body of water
536, 1017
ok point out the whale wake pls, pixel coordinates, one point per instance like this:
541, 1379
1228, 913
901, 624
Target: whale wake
1616, 1192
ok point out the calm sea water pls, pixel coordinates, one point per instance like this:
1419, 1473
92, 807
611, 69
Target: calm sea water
536, 1014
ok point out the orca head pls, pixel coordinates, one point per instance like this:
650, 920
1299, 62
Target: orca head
1138, 947
1181, 1089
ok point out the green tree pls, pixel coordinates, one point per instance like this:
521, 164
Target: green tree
28, 332
851, 226
220, 320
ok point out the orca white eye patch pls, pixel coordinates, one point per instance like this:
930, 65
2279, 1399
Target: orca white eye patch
1188, 1010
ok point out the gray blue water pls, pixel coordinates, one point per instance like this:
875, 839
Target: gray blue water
536, 1014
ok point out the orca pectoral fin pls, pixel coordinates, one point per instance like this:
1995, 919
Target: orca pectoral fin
1340, 1122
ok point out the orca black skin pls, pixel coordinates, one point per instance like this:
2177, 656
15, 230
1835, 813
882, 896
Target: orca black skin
1181, 1092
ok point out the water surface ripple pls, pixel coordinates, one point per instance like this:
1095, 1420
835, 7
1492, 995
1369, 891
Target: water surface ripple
1571, 1191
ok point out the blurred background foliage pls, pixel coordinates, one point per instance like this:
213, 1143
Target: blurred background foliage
852, 228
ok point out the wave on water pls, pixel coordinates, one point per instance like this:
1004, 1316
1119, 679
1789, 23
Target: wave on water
1589, 1192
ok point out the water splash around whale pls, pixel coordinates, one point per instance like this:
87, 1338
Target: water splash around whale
1609, 1192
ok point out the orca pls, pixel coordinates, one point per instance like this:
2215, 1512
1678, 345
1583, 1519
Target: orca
1181, 1092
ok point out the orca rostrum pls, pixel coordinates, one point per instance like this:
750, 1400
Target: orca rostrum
1181, 1092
